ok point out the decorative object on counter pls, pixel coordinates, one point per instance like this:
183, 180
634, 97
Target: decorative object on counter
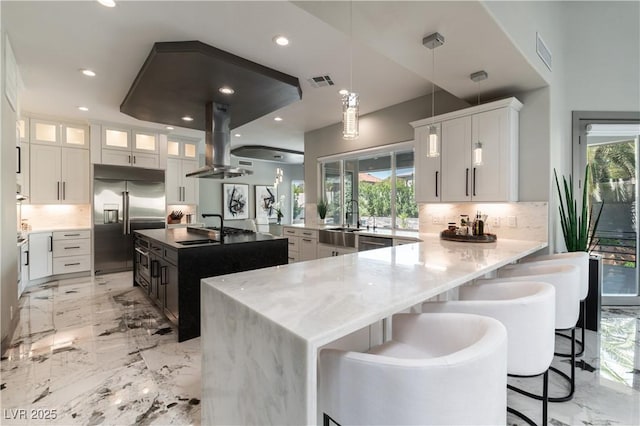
175, 216
279, 215
322, 208
467, 238
235, 199
265, 202
578, 231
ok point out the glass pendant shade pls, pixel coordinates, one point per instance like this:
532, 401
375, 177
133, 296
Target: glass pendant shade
434, 148
477, 154
350, 106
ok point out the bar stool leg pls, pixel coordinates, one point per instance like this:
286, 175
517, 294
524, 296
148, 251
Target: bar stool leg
572, 379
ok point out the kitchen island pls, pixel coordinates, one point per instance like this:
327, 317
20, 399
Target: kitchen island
169, 264
261, 330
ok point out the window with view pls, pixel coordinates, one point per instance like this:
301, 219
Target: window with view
378, 190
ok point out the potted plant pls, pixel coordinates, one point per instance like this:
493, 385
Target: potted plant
322, 208
279, 215
578, 226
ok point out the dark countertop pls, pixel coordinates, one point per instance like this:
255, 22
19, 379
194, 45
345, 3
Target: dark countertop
170, 237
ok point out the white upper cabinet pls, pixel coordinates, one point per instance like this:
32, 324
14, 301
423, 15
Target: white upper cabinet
181, 189
456, 174
122, 146
56, 133
45, 132
59, 175
428, 171
23, 129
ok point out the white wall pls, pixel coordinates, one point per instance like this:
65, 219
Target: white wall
264, 173
8, 250
596, 64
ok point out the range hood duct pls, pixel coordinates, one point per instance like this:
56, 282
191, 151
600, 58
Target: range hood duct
218, 145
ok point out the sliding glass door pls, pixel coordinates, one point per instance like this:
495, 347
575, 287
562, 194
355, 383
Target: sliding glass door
609, 143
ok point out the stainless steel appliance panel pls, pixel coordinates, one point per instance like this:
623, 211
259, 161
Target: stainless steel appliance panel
366, 242
120, 208
146, 201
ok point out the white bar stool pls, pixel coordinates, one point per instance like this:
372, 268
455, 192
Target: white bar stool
579, 259
442, 369
566, 280
527, 310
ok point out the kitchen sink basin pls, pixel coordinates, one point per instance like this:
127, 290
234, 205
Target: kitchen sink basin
344, 237
196, 242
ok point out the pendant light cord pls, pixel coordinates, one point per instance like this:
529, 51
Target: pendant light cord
433, 84
351, 47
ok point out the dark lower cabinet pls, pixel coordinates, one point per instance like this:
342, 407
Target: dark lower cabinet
175, 274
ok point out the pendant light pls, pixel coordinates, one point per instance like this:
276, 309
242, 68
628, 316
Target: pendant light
350, 100
477, 77
431, 42
279, 177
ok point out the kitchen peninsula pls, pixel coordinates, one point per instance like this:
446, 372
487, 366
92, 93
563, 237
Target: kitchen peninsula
261, 330
169, 264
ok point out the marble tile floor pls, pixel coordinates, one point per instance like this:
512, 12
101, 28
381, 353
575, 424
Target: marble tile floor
95, 351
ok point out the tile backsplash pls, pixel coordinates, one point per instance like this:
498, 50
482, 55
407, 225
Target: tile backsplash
56, 216
519, 221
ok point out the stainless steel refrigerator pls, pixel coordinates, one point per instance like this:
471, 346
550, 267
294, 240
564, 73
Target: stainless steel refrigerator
125, 199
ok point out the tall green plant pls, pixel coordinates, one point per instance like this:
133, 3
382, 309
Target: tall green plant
578, 227
322, 208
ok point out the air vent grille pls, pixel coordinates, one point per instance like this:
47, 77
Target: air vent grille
543, 51
320, 81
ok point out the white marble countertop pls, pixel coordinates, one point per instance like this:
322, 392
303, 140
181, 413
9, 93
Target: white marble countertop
324, 299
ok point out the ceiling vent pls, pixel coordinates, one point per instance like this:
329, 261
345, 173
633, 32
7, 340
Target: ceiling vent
321, 81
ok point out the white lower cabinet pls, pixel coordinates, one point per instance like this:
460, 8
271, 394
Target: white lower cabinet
40, 255
303, 243
71, 251
325, 250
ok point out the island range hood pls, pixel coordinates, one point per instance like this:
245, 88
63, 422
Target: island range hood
217, 148
185, 78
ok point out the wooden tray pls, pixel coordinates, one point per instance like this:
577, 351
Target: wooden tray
451, 236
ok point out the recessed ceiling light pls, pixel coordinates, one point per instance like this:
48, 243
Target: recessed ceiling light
83, 108
107, 3
226, 90
343, 92
187, 118
88, 72
237, 135
169, 128
281, 40
278, 119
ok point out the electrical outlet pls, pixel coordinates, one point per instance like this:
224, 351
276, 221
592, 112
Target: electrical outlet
436, 220
511, 220
496, 222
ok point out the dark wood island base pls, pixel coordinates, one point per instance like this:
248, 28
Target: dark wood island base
169, 271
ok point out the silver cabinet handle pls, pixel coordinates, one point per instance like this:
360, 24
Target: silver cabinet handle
71, 235
27, 253
134, 159
71, 264
71, 248
474, 182
307, 240
64, 190
436, 183
50, 243
129, 161
58, 190
466, 182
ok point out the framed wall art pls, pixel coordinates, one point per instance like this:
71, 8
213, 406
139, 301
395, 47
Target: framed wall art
235, 201
265, 202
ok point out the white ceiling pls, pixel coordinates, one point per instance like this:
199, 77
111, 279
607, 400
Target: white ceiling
52, 40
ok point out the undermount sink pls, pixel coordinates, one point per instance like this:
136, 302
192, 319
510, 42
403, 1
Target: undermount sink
344, 237
344, 229
196, 242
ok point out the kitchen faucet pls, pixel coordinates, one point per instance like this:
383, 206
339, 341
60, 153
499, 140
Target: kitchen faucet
221, 221
349, 213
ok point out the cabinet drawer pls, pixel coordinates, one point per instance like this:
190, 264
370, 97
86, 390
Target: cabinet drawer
294, 243
293, 257
308, 233
71, 235
70, 264
289, 232
62, 248
171, 256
